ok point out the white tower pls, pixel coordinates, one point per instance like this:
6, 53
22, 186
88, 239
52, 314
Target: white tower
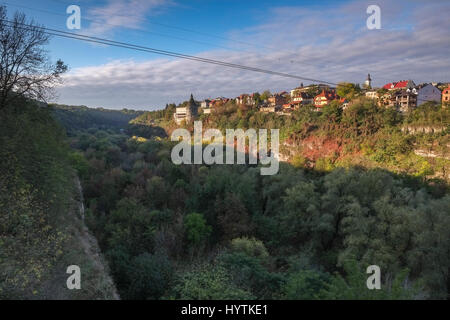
368, 82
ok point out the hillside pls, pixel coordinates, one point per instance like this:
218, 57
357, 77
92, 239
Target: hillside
415, 144
41, 227
75, 118
225, 232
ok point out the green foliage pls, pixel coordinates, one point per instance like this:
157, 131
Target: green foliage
348, 90
251, 247
149, 277
309, 223
208, 283
75, 118
39, 227
353, 287
197, 231
306, 285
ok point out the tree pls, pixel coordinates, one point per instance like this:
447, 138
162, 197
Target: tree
251, 247
305, 285
197, 231
348, 90
353, 286
25, 69
265, 95
233, 217
209, 282
150, 276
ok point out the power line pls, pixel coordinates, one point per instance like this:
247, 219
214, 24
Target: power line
126, 45
249, 44
117, 25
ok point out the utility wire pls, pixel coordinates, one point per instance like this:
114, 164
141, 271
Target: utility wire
248, 44
126, 45
117, 25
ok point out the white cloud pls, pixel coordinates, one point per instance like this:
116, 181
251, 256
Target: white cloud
121, 13
331, 44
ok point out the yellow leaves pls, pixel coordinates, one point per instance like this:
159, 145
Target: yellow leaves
139, 139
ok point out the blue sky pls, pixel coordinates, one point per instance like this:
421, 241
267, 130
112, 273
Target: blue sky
325, 40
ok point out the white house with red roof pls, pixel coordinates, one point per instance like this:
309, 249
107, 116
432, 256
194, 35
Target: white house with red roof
324, 98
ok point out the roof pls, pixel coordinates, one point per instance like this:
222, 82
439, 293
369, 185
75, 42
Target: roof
403, 84
328, 95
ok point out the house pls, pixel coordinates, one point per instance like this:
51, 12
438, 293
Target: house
277, 99
405, 101
302, 98
324, 98
218, 101
205, 104
245, 99
298, 90
186, 112
372, 94
428, 93
344, 103
446, 96
401, 85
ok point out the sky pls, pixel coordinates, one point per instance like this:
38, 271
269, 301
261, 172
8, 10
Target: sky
324, 40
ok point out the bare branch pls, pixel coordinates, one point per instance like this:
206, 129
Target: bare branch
25, 70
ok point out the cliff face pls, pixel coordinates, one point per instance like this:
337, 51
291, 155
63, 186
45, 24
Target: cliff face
312, 148
99, 280
429, 160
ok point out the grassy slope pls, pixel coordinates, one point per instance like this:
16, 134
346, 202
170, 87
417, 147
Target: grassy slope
40, 232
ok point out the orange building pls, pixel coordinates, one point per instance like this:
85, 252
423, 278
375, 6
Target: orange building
324, 98
446, 96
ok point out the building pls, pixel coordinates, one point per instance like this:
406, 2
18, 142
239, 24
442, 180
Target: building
186, 112
324, 98
245, 99
205, 104
405, 101
301, 98
302, 88
372, 94
446, 96
344, 103
428, 93
278, 99
401, 85
368, 82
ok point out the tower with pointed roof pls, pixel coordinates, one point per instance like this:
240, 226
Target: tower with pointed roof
368, 82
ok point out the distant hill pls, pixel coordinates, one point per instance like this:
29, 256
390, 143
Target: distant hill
75, 118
